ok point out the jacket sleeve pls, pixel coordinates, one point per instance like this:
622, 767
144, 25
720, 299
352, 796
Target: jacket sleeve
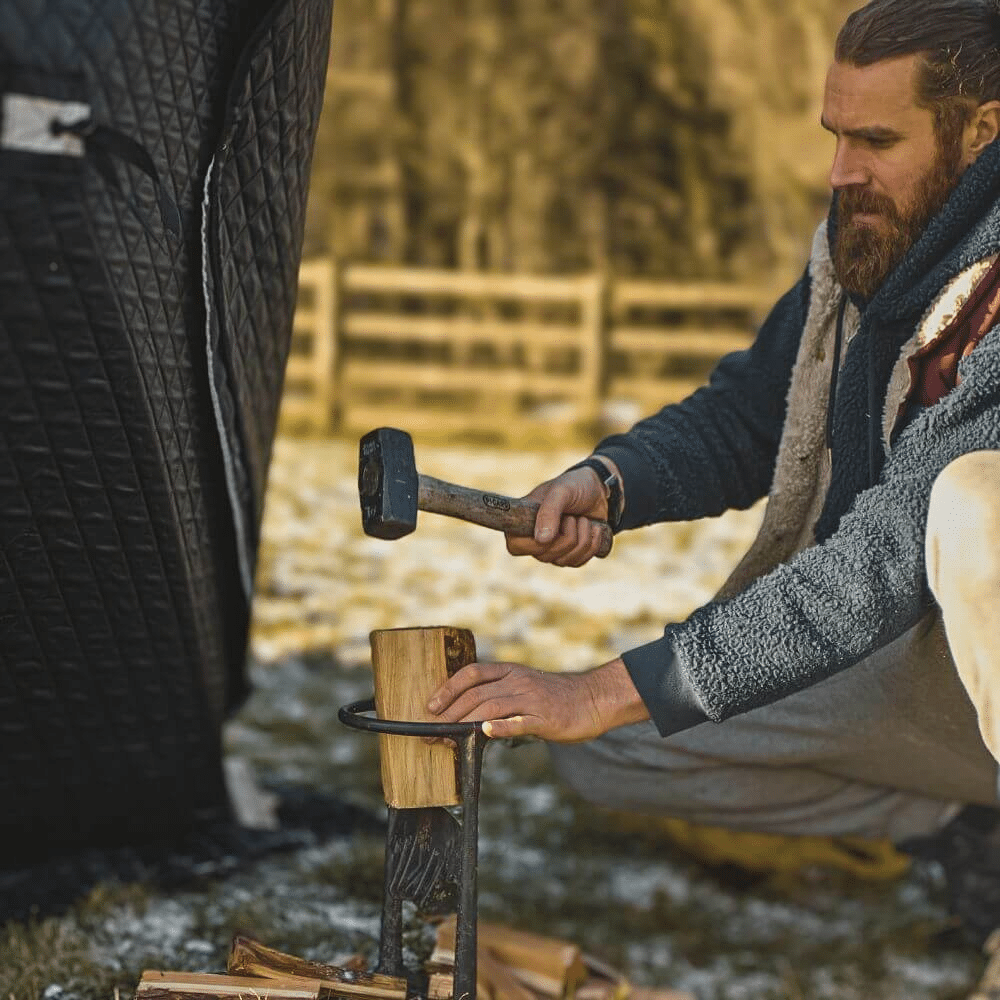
715, 450
835, 603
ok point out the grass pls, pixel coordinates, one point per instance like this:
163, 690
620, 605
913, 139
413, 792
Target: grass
40, 953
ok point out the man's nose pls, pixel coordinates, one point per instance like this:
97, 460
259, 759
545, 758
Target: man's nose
848, 169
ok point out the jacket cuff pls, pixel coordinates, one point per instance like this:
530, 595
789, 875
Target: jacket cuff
638, 487
673, 703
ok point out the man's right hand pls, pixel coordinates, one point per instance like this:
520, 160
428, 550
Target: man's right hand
565, 535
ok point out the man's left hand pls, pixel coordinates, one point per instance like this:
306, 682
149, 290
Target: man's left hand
514, 700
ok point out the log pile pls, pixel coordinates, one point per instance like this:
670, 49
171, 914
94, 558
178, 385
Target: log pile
511, 965
256, 971
514, 965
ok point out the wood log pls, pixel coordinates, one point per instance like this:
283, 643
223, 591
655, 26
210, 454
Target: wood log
602, 989
546, 965
441, 985
158, 985
649, 993
252, 958
603, 982
494, 981
409, 665
606, 983
502, 982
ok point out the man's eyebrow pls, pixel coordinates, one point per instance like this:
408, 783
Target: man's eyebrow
878, 133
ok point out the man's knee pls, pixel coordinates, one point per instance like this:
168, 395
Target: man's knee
963, 527
621, 774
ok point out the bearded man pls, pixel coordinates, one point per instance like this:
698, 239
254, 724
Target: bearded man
818, 693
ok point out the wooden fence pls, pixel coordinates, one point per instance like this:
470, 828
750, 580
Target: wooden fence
500, 354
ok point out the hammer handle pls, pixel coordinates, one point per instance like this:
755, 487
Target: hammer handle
490, 510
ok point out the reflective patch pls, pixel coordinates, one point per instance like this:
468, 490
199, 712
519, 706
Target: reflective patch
26, 124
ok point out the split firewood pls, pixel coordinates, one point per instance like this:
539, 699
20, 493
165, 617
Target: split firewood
606, 983
603, 982
648, 993
546, 965
606, 989
441, 985
602, 989
503, 983
157, 985
494, 981
252, 958
409, 664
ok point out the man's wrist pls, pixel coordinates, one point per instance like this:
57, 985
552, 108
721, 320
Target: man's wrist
669, 697
615, 697
610, 479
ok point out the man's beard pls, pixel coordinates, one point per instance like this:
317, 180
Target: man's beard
863, 255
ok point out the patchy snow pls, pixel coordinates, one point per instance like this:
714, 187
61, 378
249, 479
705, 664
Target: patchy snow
548, 862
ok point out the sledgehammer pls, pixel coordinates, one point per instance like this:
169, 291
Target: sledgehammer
392, 492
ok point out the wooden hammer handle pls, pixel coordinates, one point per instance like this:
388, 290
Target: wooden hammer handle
490, 510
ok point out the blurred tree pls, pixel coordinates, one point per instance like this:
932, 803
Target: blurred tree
648, 137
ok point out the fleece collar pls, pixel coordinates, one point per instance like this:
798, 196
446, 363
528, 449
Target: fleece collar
934, 324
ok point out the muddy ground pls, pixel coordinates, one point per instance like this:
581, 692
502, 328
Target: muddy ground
548, 862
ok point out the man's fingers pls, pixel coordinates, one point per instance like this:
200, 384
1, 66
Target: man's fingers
479, 704
561, 536
468, 677
501, 729
485, 692
514, 700
587, 543
555, 551
549, 522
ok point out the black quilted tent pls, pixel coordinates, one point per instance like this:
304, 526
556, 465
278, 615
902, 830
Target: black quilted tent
154, 158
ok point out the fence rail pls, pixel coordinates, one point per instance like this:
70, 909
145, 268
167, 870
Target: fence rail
433, 350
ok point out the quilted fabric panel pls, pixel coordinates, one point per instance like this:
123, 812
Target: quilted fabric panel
254, 227
123, 622
103, 712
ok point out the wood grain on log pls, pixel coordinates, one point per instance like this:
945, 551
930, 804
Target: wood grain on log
546, 965
158, 985
409, 665
441, 985
252, 958
504, 984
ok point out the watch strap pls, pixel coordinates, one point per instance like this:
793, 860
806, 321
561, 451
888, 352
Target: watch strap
612, 486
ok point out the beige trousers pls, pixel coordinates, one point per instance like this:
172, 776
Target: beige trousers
889, 748
963, 569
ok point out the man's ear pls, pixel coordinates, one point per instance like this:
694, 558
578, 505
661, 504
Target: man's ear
983, 128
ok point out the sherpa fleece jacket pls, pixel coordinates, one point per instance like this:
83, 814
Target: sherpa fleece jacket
854, 580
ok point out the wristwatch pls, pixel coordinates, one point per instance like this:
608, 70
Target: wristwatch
612, 487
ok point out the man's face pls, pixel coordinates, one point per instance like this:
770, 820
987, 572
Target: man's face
890, 172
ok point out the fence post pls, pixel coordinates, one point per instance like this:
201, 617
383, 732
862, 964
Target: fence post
320, 275
592, 345
332, 352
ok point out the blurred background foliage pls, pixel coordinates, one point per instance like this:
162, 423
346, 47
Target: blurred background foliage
645, 138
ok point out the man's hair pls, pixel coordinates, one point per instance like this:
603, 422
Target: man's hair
959, 41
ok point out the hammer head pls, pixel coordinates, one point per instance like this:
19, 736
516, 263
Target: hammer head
387, 483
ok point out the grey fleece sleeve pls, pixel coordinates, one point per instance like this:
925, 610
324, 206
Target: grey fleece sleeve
833, 604
716, 449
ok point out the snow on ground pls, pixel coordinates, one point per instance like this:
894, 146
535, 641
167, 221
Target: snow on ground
616, 885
